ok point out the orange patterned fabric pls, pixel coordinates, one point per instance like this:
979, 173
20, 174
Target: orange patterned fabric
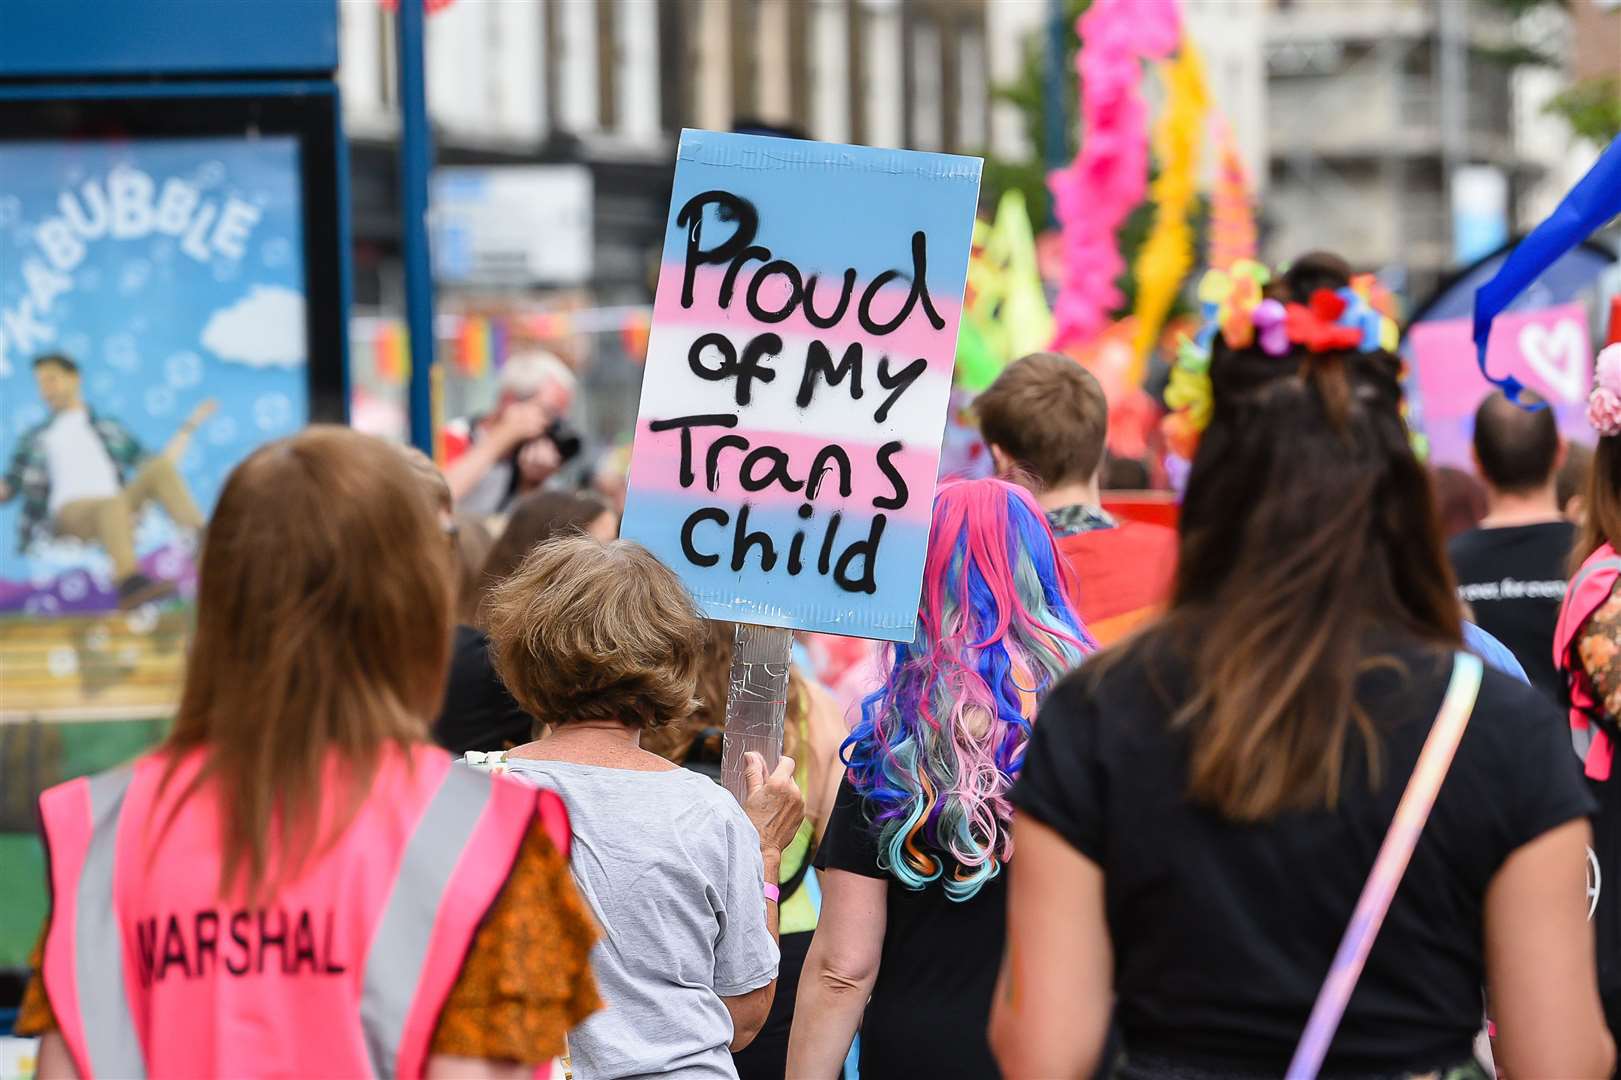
527, 980
1600, 649
34, 1017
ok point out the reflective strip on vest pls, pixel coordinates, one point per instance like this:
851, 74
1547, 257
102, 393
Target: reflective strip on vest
1588, 571
400, 946
1581, 740
1583, 735
98, 961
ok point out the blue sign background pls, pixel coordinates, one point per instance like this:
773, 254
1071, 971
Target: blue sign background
159, 320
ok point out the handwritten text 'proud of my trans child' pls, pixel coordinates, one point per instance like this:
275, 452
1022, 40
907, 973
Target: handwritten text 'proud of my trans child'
717, 358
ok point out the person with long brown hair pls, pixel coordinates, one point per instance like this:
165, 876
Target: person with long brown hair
478, 712
1587, 652
1201, 806
261, 895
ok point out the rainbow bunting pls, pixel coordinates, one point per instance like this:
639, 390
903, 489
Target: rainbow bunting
498, 341
633, 335
548, 324
473, 345
391, 356
1232, 215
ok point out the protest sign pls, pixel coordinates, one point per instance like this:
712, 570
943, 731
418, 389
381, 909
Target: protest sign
798, 371
1547, 350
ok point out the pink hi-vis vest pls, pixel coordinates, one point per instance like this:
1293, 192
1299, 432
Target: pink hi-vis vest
1587, 592
343, 973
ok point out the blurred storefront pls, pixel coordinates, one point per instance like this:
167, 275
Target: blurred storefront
175, 295
552, 249
602, 88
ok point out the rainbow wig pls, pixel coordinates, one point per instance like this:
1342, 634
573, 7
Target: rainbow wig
939, 744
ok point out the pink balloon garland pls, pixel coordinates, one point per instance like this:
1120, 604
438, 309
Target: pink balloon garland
1094, 195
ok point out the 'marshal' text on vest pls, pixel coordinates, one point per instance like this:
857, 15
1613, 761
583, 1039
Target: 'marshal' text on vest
236, 943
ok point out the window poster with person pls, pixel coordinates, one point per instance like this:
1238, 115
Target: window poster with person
152, 333
798, 372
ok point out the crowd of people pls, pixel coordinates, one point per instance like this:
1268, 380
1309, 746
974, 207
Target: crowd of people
441, 799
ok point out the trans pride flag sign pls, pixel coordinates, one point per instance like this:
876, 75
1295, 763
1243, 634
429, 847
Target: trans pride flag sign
798, 371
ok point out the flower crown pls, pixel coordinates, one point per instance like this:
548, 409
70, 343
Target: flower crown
1357, 317
1604, 403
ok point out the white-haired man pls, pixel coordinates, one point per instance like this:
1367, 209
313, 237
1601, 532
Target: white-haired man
521, 443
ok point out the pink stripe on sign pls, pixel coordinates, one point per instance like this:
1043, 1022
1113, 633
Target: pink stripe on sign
916, 336
655, 465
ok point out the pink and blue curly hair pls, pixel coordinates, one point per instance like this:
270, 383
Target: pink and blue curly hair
939, 744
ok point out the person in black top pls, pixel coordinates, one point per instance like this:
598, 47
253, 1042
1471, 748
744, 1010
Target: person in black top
1201, 806
479, 713
1511, 567
914, 898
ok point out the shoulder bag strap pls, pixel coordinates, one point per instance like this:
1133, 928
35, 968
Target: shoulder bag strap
1388, 867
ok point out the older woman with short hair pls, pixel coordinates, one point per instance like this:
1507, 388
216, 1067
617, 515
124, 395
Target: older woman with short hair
604, 642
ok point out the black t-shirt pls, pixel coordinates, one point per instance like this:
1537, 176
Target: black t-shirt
1223, 932
479, 713
932, 1001
1514, 579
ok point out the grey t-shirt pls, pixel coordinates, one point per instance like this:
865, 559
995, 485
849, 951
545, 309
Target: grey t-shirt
671, 867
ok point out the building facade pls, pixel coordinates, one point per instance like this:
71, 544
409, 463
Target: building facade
1228, 34
610, 83
1596, 29
1403, 117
